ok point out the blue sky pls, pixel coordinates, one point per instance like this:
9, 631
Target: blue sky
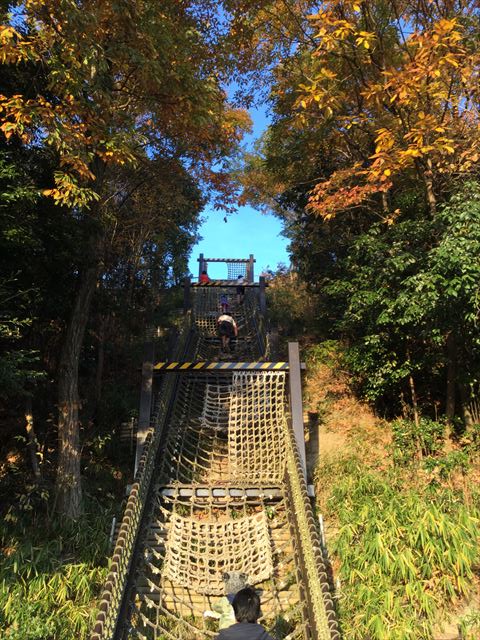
245, 232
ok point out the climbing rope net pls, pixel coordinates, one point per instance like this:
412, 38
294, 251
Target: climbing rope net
227, 428
227, 494
198, 552
206, 311
236, 269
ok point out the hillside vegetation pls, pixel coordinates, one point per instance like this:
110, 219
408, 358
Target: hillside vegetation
401, 506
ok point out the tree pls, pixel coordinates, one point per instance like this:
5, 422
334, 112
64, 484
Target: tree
375, 126
123, 80
395, 83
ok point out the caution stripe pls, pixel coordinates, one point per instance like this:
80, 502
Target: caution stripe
225, 283
221, 366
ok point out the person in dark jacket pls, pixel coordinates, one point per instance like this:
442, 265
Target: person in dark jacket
246, 605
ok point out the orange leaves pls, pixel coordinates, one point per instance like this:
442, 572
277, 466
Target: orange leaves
413, 97
344, 190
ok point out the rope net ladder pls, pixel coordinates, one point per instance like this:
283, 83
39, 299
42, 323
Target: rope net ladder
236, 269
220, 501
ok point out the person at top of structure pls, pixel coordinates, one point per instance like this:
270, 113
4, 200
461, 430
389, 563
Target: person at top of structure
240, 289
224, 303
246, 606
227, 329
204, 278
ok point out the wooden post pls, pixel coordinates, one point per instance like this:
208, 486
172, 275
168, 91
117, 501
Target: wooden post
186, 295
145, 400
200, 266
262, 300
296, 409
250, 274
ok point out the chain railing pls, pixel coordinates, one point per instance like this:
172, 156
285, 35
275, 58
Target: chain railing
321, 609
114, 588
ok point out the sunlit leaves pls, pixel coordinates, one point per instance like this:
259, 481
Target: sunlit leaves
121, 77
404, 82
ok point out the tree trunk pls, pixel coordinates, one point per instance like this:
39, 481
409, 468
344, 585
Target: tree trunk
100, 361
428, 180
68, 485
467, 403
32, 438
413, 393
451, 376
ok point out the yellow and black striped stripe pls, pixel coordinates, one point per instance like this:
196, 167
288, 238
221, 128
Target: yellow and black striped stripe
223, 366
224, 283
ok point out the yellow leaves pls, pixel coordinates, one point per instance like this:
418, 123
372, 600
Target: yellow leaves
390, 219
445, 26
68, 192
8, 33
78, 165
411, 152
384, 140
365, 38
343, 29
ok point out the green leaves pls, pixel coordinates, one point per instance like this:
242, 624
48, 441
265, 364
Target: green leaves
49, 585
405, 555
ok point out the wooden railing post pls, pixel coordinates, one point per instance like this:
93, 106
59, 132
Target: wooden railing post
187, 303
262, 300
296, 408
200, 265
250, 273
145, 399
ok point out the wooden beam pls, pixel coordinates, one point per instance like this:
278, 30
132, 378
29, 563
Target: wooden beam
296, 408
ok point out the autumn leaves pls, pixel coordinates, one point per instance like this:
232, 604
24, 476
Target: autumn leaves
396, 89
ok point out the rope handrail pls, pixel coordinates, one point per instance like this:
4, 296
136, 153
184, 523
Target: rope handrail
114, 588
317, 584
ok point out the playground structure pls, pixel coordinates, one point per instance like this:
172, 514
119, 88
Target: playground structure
220, 484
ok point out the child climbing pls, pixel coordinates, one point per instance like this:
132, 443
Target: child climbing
223, 609
240, 289
227, 329
246, 606
224, 303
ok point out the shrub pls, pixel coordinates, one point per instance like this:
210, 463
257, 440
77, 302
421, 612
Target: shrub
405, 556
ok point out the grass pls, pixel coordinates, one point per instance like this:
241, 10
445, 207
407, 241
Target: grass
50, 579
405, 555
52, 573
401, 503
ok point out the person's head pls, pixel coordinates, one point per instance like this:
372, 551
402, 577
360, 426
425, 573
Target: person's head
234, 581
246, 605
204, 273
239, 277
